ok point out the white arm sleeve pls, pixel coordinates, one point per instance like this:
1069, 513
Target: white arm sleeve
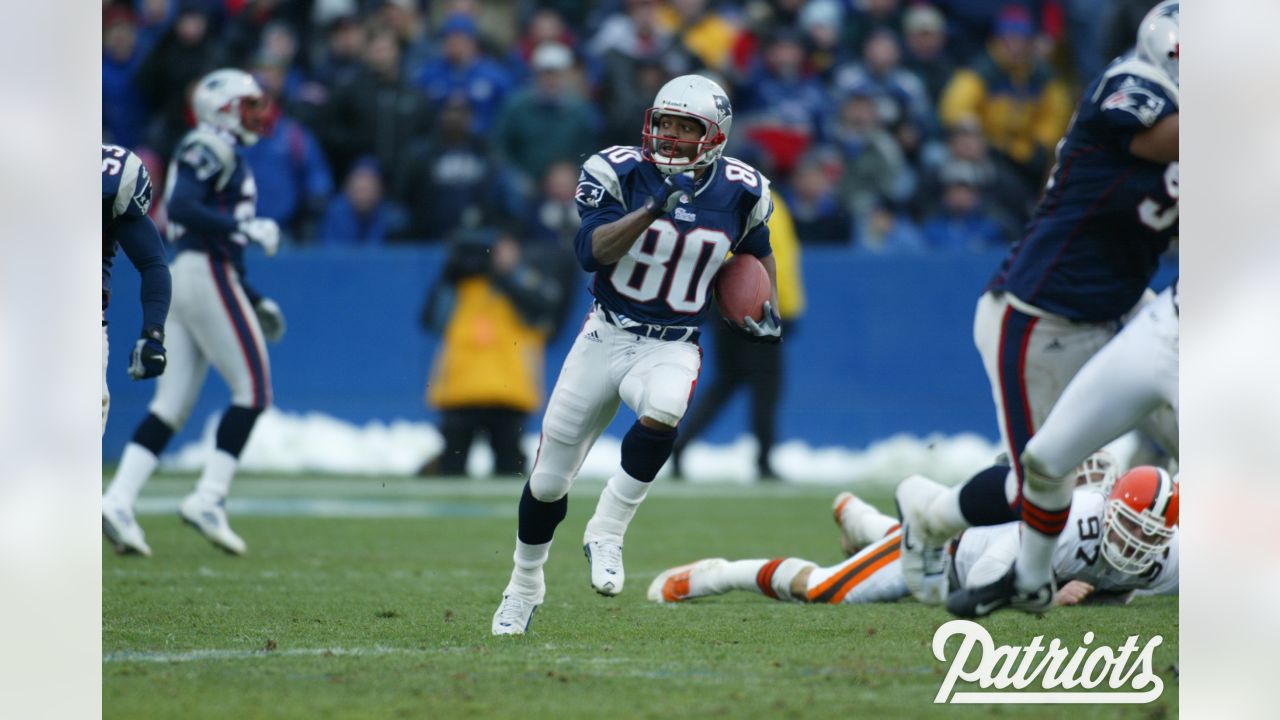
996, 559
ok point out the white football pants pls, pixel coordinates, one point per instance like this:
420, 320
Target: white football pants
1133, 376
608, 365
210, 321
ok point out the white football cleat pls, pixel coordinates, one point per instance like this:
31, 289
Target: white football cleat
924, 564
513, 615
672, 586
122, 530
210, 519
605, 558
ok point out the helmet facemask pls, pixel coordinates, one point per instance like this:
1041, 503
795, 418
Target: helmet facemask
708, 147
1133, 541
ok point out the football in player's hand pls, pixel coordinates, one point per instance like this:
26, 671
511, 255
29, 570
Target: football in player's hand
742, 287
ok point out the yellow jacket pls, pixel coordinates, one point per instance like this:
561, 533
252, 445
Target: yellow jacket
488, 357
710, 37
786, 254
1023, 110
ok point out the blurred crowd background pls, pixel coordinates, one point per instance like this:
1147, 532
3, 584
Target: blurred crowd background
885, 125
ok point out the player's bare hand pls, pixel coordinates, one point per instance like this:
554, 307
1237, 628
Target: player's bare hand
263, 231
768, 330
1073, 593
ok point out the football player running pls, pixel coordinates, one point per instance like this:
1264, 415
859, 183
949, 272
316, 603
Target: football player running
657, 223
126, 199
1108, 212
217, 318
1116, 544
1130, 377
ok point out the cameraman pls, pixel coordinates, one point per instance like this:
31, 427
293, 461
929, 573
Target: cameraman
495, 312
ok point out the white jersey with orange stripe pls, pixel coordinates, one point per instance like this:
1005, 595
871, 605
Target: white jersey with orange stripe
984, 554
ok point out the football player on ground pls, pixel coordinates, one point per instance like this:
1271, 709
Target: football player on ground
217, 319
1113, 546
1130, 377
1108, 212
657, 223
126, 198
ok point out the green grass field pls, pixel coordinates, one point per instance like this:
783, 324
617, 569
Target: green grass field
372, 599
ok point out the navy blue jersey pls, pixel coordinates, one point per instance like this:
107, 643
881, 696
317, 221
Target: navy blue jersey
126, 199
1106, 215
665, 278
210, 189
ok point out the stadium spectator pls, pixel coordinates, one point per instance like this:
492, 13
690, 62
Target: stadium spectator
288, 160
874, 166
1009, 197
819, 217
124, 115
461, 68
374, 110
493, 314
549, 121
405, 19
925, 51
900, 95
869, 17
552, 224
781, 108
344, 44
741, 363
635, 35
963, 223
361, 215
705, 34
883, 230
545, 25
153, 19
1023, 107
821, 21
181, 56
628, 54
450, 179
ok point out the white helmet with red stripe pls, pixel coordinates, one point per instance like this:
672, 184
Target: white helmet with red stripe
231, 100
695, 97
1140, 518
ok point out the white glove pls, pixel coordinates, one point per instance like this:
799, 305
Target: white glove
768, 330
271, 319
263, 231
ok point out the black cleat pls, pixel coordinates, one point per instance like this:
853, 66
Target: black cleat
1003, 593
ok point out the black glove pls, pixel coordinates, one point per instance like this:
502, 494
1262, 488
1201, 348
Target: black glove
148, 358
669, 195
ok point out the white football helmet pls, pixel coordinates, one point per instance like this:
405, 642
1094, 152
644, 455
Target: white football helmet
1158, 38
231, 100
1140, 518
696, 97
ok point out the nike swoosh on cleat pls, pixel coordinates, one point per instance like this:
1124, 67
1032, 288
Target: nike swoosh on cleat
987, 608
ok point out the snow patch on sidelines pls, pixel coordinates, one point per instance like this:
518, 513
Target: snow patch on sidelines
312, 442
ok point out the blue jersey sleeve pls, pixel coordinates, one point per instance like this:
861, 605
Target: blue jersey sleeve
596, 206
758, 209
1130, 104
140, 241
188, 201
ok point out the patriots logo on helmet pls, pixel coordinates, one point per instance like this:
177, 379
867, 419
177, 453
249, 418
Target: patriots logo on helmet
1137, 101
722, 104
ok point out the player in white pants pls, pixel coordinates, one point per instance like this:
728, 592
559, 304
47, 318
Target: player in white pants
215, 318
1131, 377
1083, 560
658, 222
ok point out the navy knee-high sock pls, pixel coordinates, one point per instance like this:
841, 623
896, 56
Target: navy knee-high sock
982, 499
538, 519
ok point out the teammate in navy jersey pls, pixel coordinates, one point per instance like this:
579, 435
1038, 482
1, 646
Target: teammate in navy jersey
657, 223
217, 319
1082, 269
126, 198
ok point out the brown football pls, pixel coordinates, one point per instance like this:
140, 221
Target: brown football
742, 287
